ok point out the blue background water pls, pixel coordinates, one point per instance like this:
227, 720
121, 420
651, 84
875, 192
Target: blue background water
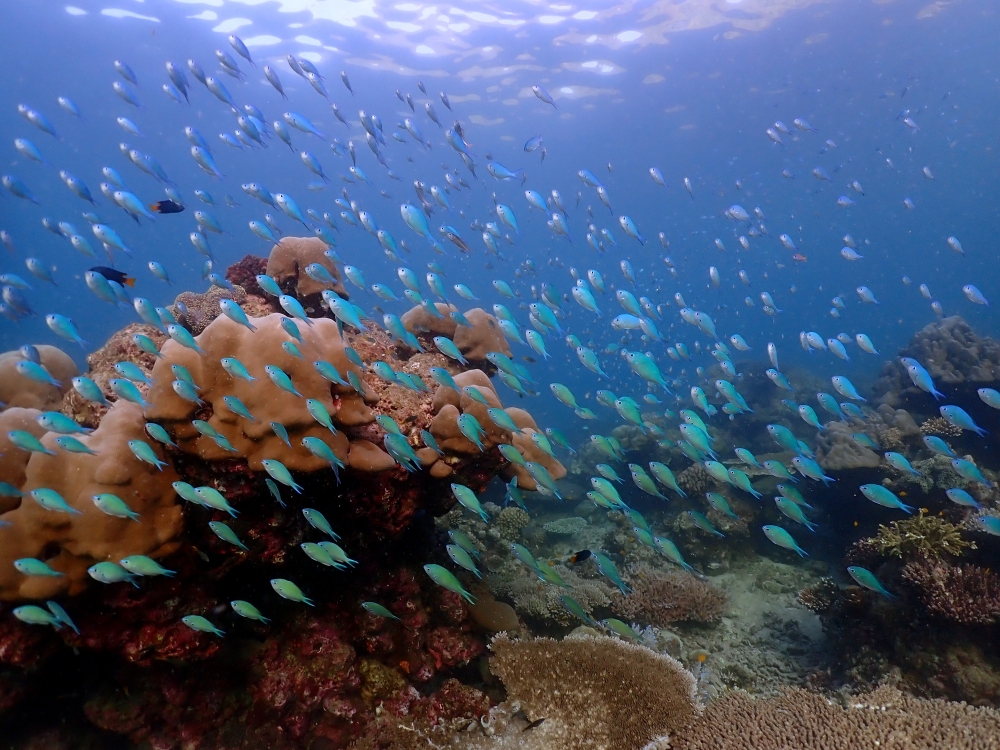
849, 68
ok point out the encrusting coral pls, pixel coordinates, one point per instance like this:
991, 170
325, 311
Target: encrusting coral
595, 691
885, 718
72, 542
18, 390
287, 263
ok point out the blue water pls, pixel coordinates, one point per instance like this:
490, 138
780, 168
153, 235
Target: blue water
634, 87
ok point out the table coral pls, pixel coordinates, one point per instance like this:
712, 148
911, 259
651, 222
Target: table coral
800, 719
70, 543
595, 691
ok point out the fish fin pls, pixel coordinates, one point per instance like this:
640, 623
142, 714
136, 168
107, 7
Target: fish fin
129, 281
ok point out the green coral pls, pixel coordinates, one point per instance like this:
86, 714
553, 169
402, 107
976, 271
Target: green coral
920, 535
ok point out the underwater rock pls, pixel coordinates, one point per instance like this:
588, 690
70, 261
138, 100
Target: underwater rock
595, 691
70, 543
951, 352
836, 450
18, 390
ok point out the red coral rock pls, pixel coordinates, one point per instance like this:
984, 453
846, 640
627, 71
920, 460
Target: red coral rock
457, 701
245, 271
452, 647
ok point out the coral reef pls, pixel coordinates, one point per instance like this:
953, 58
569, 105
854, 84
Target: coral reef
244, 273
662, 598
967, 594
18, 390
202, 309
885, 718
595, 691
72, 542
918, 535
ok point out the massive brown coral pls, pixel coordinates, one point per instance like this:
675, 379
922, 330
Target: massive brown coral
287, 266
255, 439
885, 718
18, 390
72, 542
13, 460
595, 691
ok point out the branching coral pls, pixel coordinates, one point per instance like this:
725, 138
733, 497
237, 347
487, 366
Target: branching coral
803, 720
661, 598
940, 426
920, 535
966, 594
595, 691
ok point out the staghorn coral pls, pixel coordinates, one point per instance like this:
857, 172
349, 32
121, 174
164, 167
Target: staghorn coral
72, 543
17, 390
940, 426
661, 598
920, 535
966, 594
595, 691
885, 718
256, 440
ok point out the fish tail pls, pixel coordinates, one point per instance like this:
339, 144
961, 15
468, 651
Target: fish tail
129, 281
